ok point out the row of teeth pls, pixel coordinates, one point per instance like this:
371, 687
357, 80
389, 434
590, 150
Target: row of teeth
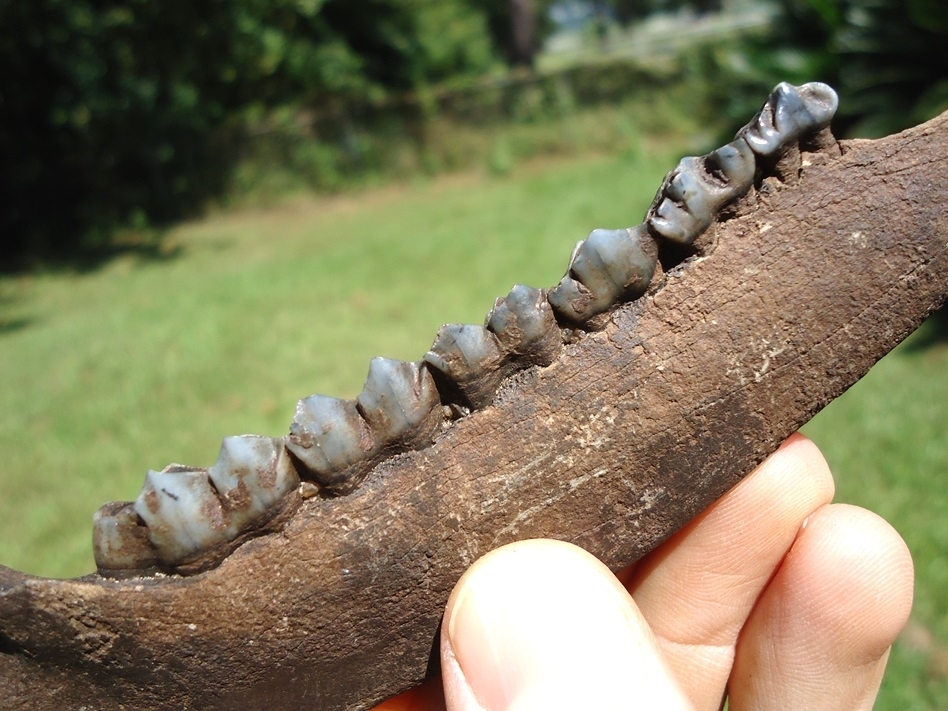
187, 518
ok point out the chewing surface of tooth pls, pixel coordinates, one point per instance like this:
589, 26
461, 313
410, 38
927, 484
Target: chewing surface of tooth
468, 359
327, 437
525, 326
252, 473
607, 267
398, 398
337, 442
693, 193
789, 113
182, 512
120, 539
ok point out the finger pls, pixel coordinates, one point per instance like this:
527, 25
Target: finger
542, 624
820, 635
697, 590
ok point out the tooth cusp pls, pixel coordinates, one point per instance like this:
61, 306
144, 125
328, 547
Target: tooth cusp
182, 512
789, 113
524, 324
466, 360
120, 543
252, 474
609, 266
329, 438
399, 400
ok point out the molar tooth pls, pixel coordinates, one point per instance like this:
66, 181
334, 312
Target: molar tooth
469, 360
120, 540
607, 267
328, 436
398, 399
182, 512
252, 473
789, 113
695, 191
524, 324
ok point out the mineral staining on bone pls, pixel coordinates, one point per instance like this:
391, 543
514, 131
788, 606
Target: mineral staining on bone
184, 512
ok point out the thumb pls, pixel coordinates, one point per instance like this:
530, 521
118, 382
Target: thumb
542, 624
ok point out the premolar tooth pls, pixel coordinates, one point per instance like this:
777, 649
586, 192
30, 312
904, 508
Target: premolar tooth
469, 359
789, 113
252, 473
607, 267
182, 512
120, 541
399, 400
696, 190
525, 326
328, 436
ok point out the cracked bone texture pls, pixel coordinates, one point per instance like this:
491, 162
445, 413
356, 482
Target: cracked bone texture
789, 113
607, 267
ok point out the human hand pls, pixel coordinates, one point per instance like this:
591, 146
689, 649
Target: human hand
773, 598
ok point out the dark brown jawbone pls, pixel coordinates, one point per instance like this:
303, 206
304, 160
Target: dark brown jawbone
627, 436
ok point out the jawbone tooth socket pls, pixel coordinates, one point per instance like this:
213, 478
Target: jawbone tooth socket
789, 113
120, 540
182, 512
524, 324
398, 397
252, 473
469, 358
328, 435
696, 190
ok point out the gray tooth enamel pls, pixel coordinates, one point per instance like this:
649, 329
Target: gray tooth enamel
398, 398
607, 267
252, 473
328, 435
120, 540
789, 113
696, 190
524, 323
468, 357
182, 512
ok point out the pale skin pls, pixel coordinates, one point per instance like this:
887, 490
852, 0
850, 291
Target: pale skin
774, 598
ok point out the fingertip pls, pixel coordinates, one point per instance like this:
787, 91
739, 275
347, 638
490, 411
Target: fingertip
544, 619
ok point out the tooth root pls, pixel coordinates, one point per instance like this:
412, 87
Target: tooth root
182, 512
120, 541
696, 190
524, 324
789, 113
466, 361
608, 267
252, 473
399, 401
329, 438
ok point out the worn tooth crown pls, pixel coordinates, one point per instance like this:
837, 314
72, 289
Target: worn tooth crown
468, 358
328, 435
182, 512
337, 442
252, 473
696, 190
398, 397
120, 539
789, 113
607, 267
524, 324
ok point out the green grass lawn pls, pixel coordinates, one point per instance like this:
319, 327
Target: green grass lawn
149, 361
